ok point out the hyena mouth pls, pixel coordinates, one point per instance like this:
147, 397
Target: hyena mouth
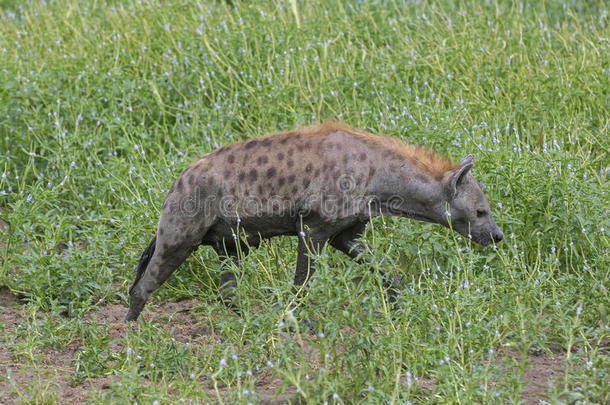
488, 239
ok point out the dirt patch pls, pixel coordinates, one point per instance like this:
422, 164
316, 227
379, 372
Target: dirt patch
267, 392
7, 298
540, 370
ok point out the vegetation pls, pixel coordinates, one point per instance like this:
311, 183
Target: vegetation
103, 104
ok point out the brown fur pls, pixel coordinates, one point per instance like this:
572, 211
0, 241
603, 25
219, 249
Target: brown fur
423, 157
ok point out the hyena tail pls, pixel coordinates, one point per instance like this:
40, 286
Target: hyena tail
144, 259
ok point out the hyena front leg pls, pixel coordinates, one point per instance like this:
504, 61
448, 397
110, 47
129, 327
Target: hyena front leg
308, 247
347, 242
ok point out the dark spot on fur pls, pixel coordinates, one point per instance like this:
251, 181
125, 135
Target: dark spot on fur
226, 173
161, 231
231, 158
232, 190
316, 173
167, 252
280, 156
253, 175
294, 189
306, 183
359, 179
362, 156
307, 145
291, 178
346, 158
191, 180
262, 160
284, 140
260, 189
251, 144
270, 172
281, 181
290, 152
371, 171
266, 142
421, 177
309, 167
241, 176
290, 163
179, 185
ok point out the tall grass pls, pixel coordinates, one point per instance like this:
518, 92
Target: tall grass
103, 104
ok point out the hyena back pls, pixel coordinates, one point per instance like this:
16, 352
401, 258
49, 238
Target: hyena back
321, 184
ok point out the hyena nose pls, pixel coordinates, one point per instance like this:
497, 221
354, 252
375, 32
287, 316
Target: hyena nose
498, 236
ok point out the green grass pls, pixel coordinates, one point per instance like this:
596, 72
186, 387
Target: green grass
102, 106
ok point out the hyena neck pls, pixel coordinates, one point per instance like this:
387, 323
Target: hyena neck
409, 192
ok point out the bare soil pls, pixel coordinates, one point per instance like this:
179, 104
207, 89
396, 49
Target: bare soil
52, 378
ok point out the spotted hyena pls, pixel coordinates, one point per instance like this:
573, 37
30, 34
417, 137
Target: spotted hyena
321, 184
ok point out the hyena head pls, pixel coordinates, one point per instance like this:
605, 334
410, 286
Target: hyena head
469, 209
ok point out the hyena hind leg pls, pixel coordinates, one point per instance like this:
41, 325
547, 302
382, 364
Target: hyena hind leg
165, 259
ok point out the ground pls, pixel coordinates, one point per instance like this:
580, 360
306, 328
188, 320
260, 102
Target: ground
542, 369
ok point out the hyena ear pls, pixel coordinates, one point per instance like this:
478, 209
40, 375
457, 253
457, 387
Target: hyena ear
457, 176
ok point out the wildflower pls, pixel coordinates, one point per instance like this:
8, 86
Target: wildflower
408, 377
222, 362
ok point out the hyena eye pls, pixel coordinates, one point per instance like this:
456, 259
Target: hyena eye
481, 213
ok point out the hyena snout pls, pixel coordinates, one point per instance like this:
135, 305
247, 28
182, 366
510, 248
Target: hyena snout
494, 235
